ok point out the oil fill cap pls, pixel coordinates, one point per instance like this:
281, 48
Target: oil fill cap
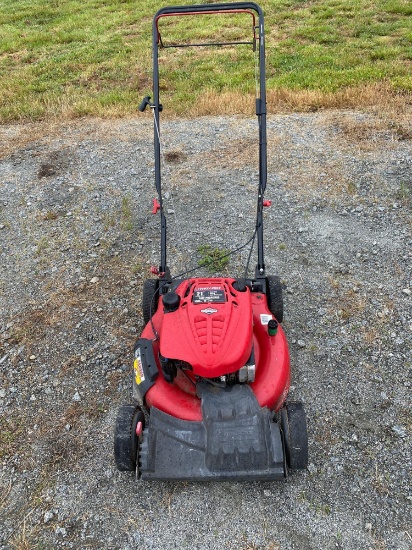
272, 327
171, 301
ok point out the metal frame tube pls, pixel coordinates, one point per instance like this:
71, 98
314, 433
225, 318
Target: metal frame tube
260, 112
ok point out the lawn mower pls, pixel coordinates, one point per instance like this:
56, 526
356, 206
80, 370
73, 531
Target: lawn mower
211, 369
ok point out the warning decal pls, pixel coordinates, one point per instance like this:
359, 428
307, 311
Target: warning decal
265, 318
209, 295
138, 368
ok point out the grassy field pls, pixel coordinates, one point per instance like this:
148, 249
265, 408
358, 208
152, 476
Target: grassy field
71, 58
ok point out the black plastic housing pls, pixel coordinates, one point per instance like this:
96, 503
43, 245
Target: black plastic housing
236, 440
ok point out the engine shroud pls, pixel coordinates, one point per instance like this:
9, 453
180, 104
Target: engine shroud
211, 329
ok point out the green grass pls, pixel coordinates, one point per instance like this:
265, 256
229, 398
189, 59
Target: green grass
66, 58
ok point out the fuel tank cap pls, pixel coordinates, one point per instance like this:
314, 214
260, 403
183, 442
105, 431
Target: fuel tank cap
171, 301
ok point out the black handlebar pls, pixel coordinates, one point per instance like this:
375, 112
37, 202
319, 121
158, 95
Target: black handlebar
198, 8
258, 35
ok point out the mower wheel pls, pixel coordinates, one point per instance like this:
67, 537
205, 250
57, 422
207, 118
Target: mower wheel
126, 441
274, 296
293, 424
150, 299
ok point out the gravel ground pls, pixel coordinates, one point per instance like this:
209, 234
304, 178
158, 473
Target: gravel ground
77, 241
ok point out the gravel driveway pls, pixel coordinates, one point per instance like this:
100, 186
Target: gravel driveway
77, 239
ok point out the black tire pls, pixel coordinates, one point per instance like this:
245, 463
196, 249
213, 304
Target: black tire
150, 299
274, 296
295, 433
126, 442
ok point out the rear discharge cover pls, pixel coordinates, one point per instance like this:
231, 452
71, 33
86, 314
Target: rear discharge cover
236, 440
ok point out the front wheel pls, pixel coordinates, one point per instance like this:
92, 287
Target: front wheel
150, 299
293, 424
129, 425
274, 296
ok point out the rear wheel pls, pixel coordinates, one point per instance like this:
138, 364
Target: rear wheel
150, 299
274, 296
293, 423
126, 441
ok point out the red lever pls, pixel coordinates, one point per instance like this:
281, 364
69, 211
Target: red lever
156, 206
155, 271
267, 203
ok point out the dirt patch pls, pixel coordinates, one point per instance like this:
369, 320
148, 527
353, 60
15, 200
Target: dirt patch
174, 156
371, 132
54, 163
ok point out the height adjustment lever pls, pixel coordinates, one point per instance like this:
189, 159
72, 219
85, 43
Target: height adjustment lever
146, 102
156, 206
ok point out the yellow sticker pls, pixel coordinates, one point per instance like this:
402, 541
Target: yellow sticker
138, 369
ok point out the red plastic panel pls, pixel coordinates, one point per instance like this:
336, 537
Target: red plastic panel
272, 379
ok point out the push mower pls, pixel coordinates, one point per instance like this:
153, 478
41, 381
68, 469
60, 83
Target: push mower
211, 368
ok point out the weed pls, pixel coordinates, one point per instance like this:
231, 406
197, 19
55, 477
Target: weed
126, 221
320, 508
381, 482
50, 215
371, 335
11, 432
334, 282
404, 193
352, 304
109, 221
42, 245
138, 269
351, 188
23, 539
113, 380
214, 259
401, 133
29, 327
75, 411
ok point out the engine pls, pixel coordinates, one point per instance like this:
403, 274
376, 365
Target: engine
207, 331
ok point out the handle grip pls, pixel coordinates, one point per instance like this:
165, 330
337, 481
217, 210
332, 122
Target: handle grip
145, 102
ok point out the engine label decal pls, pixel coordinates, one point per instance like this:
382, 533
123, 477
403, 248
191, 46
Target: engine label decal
265, 318
138, 368
209, 295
